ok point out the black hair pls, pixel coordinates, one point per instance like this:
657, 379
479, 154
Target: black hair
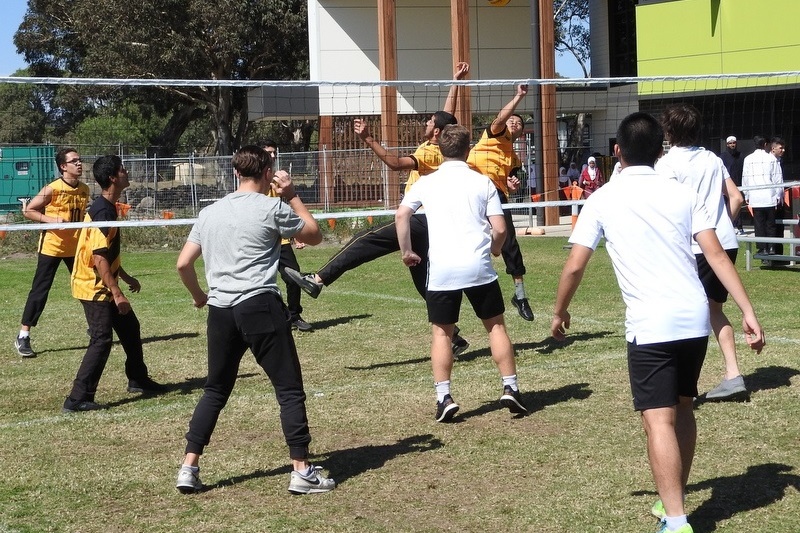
442, 119
640, 139
104, 168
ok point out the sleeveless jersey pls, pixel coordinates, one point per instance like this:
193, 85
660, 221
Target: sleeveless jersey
68, 202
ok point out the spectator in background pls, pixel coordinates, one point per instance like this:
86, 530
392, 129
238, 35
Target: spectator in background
762, 168
778, 147
573, 173
591, 178
288, 259
733, 161
63, 200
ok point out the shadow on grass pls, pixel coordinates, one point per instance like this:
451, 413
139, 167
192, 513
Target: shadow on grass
546, 347
349, 463
766, 378
145, 340
533, 400
188, 386
324, 324
760, 486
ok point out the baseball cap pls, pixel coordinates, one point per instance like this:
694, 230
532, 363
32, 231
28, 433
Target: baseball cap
730, 139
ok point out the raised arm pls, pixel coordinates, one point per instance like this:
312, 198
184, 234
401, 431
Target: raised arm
499, 123
392, 161
460, 72
282, 184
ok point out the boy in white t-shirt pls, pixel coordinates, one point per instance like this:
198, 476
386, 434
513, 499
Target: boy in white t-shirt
705, 172
466, 226
666, 324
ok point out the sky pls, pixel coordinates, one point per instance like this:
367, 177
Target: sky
14, 11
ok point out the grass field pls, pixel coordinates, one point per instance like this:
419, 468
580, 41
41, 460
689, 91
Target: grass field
575, 464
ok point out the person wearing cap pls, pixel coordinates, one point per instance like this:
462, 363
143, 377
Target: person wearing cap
591, 178
733, 161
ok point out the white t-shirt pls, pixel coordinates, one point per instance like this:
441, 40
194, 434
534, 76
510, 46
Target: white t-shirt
704, 172
649, 238
458, 202
762, 168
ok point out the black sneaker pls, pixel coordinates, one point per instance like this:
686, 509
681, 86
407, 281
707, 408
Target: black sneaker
460, 345
307, 282
71, 406
301, 325
23, 346
146, 386
446, 409
512, 400
523, 307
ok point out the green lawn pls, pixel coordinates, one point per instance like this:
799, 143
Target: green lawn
576, 463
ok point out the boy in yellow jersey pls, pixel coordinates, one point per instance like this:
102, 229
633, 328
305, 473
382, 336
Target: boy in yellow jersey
63, 200
494, 157
288, 259
94, 282
382, 240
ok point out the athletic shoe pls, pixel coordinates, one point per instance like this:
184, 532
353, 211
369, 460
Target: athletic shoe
460, 345
71, 406
657, 509
23, 346
188, 481
512, 400
311, 484
446, 409
685, 528
299, 324
146, 386
523, 307
727, 389
307, 282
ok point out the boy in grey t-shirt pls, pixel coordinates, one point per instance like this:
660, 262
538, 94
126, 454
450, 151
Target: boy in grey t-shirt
239, 238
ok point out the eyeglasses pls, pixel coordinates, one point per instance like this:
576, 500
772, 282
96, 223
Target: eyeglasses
74, 161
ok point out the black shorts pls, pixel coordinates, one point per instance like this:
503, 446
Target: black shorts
715, 290
444, 306
663, 371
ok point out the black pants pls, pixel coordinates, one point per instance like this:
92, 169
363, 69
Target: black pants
46, 268
293, 291
764, 226
103, 317
512, 255
260, 323
377, 242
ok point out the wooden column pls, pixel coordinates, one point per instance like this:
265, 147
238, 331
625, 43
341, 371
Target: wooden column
387, 63
547, 146
459, 36
326, 178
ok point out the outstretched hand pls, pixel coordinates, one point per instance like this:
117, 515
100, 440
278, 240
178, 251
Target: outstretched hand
461, 70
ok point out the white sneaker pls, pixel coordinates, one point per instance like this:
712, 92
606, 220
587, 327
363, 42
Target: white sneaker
189, 480
310, 484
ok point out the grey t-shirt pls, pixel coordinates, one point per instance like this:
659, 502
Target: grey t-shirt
240, 236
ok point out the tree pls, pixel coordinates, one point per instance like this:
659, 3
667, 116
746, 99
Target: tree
571, 21
24, 112
163, 39
571, 18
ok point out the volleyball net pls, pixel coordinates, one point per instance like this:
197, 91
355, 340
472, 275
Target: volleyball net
334, 172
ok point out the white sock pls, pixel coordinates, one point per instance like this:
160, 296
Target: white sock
675, 522
511, 381
442, 389
519, 289
194, 469
24, 333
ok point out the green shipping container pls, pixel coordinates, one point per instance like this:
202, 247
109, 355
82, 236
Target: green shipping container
24, 170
